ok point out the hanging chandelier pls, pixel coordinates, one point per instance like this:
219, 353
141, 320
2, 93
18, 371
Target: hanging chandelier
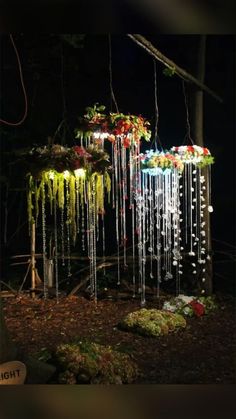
68, 187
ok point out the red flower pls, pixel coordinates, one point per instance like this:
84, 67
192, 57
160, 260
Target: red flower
205, 151
117, 132
126, 142
197, 307
79, 150
190, 148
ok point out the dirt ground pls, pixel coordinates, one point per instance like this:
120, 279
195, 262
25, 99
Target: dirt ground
203, 353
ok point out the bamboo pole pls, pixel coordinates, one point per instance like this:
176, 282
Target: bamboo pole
145, 44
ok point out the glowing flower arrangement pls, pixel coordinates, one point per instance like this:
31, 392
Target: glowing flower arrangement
129, 129
154, 162
200, 156
59, 158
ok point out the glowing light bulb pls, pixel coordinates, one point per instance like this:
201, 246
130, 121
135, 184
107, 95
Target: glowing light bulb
79, 172
51, 174
66, 174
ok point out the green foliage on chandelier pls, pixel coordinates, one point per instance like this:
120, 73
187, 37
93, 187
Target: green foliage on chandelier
60, 188
206, 161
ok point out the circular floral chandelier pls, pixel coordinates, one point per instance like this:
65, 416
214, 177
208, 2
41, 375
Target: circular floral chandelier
68, 185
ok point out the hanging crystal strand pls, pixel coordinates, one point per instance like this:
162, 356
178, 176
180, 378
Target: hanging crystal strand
68, 228
89, 234
131, 177
170, 207
56, 250
198, 220
62, 237
103, 245
201, 214
44, 243
151, 223
176, 209
197, 204
180, 220
164, 217
133, 249
94, 219
160, 237
186, 201
176, 225
191, 190
119, 180
117, 208
123, 194
208, 203
113, 162
83, 203
135, 181
77, 204
139, 198
143, 248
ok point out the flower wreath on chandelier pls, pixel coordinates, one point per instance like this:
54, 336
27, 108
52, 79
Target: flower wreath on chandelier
99, 126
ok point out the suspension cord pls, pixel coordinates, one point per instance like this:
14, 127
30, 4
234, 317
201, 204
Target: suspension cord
113, 99
3, 121
188, 133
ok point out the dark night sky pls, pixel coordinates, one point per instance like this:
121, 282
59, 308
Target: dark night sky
86, 81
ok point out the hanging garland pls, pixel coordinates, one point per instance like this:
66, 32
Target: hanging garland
195, 154
154, 162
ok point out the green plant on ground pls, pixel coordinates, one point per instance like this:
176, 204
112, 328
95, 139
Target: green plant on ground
92, 363
152, 322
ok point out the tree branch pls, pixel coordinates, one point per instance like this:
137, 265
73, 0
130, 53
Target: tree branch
145, 44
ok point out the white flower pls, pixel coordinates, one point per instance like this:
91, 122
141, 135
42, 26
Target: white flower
185, 298
169, 307
210, 208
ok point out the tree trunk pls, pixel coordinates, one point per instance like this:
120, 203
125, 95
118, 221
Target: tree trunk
199, 140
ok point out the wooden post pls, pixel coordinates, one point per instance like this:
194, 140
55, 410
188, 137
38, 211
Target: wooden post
33, 260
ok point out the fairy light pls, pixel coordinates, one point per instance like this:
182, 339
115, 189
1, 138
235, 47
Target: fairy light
79, 173
66, 174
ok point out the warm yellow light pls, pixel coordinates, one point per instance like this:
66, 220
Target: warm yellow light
79, 172
66, 174
51, 174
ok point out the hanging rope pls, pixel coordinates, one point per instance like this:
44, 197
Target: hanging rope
156, 139
188, 134
3, 121
113, 99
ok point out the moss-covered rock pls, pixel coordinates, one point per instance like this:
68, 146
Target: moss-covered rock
152, 322
92, 363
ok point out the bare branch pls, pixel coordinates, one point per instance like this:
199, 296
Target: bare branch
145, 44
